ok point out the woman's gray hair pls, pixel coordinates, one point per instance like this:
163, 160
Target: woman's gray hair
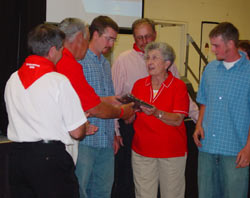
71, 26
165, 49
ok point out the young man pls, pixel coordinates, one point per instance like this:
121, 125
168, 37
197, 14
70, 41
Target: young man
95, 165
224, 118
44, 113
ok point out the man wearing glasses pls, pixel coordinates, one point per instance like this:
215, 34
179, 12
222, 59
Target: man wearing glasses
95, 164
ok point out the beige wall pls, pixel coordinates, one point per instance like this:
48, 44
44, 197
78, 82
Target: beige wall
193, 12
188, 12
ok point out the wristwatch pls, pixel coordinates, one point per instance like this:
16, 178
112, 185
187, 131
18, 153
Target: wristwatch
160, 115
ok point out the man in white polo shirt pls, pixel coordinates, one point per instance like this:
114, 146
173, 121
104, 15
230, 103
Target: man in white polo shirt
44, 115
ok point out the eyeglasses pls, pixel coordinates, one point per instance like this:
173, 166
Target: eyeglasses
153, 58
146, 37
109, 38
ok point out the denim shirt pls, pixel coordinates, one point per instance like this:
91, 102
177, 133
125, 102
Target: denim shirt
226, 96
97, 72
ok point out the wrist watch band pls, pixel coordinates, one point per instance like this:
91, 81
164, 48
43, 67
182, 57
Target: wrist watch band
160, 114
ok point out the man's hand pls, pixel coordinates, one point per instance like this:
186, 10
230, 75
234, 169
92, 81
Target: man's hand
120, 140
128, 110
90, 129
117, 143
112, 100
243, 158
198, 133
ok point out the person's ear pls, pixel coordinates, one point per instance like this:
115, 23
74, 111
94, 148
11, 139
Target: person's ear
79, 36
167, 64
52, 52
231, 44
96, 35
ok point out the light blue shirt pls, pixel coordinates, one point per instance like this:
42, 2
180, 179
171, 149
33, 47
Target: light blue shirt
226, 96
98, 74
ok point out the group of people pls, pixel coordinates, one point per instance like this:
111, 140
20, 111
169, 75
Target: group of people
62, 103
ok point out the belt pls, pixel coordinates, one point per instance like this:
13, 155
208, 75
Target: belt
48, 142
39, 142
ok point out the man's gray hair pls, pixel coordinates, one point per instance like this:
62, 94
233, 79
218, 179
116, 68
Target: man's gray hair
166, 50
71, 26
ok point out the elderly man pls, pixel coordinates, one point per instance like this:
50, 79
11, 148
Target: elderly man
75, 48
44, 113
222, 130
126, 70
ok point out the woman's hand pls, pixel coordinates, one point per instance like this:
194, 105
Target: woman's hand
148, 111
173, 119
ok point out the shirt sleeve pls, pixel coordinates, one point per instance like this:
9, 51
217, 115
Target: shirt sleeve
73, 115
201, 97
193, 110
86, 93
181, 104
118, 76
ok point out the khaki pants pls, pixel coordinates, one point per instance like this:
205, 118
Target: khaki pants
150, 172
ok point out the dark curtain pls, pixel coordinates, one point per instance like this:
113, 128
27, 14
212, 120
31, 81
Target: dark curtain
18, 18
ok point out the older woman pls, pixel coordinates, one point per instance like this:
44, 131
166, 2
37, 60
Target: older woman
159, 144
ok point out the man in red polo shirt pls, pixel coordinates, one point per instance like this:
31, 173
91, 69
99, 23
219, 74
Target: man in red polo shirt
75, 47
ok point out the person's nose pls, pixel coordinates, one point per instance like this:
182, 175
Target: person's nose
144, 40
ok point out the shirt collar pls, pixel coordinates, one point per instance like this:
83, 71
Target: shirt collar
166, 83
136, 48
93, 55
239, 62
33, 68
66, 52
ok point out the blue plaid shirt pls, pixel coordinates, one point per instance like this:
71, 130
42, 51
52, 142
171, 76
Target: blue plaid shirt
98, 74
226, 95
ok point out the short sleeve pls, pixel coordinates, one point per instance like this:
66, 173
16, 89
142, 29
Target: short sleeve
73, 115
118, 76
201, 97
181, 101
73, 71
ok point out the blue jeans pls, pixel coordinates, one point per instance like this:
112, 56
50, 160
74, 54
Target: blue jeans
95, 171
218, 177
